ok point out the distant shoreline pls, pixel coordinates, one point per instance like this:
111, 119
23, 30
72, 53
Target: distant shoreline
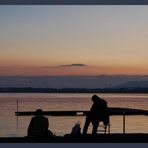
73, 90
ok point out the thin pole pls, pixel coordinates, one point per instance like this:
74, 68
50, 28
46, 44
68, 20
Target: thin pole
17, 105
17, 115
123, 123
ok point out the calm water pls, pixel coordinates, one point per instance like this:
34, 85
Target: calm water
63, 125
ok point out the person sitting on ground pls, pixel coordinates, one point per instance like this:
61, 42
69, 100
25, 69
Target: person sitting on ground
38, 126
97, 113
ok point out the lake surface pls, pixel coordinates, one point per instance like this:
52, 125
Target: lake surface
63, 125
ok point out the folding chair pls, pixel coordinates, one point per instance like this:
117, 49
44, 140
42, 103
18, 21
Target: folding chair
104, 129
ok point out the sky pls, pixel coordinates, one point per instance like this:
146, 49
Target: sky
73, 40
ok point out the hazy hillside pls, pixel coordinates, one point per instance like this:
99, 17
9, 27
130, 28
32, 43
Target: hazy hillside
102, 81
134, 84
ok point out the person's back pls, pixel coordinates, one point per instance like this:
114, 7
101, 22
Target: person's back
98, 109
38, 126
102, 109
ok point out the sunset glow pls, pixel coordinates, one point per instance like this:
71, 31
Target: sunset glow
36, 40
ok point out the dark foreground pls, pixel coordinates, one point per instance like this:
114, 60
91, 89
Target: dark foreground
100, 138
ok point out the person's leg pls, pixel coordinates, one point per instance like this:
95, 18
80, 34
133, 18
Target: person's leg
95, 127
86, 125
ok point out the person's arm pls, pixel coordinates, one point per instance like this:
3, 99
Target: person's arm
90, 113
47, 124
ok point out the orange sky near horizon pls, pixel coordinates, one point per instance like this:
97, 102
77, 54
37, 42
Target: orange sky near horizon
106, 40
67, 71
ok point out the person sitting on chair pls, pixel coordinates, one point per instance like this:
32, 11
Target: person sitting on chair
97, 113
38, 126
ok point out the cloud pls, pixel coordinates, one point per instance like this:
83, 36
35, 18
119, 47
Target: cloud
74, 65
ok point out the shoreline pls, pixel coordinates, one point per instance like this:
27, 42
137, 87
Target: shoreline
73, 90
99, 138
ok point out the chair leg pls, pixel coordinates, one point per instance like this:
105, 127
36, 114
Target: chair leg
109, 128
105, 129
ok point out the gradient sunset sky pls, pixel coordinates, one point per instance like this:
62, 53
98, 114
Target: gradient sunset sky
73, 40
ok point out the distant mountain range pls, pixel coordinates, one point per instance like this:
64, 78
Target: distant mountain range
134, 84
86, 82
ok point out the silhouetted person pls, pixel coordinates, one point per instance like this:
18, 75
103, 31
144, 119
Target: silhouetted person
97, 113
38, 126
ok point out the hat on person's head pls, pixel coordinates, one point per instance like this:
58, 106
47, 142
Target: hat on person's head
39, 112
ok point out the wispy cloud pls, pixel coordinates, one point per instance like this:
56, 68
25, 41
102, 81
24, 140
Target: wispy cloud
74, 65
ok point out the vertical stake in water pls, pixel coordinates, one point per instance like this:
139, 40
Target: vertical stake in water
124, 123
17, 116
